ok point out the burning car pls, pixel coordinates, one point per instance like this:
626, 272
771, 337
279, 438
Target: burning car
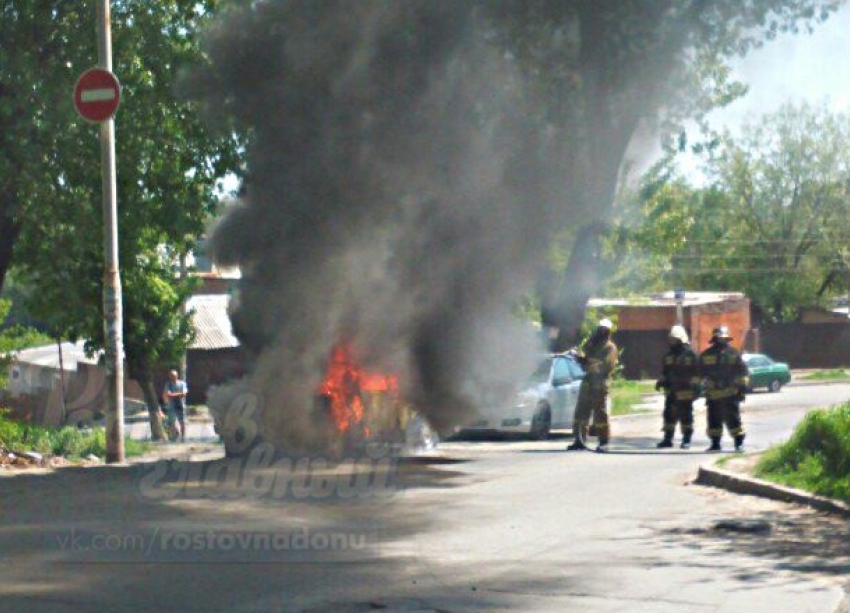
548, 401
355, 405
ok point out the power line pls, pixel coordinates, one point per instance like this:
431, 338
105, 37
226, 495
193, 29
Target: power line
697, 271
751, 256
769, 241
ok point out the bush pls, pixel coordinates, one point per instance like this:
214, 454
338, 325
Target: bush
816, 457
67, 441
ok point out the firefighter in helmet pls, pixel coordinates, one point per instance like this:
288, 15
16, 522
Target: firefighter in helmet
680, 382
725, 377
598, 356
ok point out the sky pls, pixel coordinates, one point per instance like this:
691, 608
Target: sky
792, 68
812, 67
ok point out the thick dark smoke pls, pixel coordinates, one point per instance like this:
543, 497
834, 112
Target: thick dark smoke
392, 199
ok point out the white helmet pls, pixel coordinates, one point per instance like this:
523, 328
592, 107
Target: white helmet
679, 333
606, 323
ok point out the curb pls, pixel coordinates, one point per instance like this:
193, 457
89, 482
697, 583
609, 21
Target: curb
807, 382
739, 484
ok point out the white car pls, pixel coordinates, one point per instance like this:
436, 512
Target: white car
548, 402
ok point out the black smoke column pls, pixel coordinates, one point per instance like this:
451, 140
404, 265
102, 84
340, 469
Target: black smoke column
392, 199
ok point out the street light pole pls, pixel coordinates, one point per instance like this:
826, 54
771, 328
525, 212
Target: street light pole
113, 321
679, 296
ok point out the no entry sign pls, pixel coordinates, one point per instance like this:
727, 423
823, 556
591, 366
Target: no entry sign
97, 95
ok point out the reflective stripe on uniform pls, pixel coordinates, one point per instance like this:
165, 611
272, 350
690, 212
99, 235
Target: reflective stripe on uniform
727, 392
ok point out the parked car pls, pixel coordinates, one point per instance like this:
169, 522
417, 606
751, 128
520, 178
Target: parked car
764, 372
549, 401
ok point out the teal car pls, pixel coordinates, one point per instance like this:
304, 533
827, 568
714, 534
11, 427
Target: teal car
764, 372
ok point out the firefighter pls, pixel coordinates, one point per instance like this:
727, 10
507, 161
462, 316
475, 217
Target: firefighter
725, 377
598, 356
680, 381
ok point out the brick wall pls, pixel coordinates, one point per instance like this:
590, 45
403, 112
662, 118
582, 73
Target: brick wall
641, 318
705, 318
642, 331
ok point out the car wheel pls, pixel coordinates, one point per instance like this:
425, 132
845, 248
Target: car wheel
775, 385
541, 423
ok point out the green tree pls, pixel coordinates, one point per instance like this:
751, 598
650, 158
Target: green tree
14, 338
604, 67
169, 168
773, 222
787, 186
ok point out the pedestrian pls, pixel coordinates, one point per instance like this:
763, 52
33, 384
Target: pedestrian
174, 397
598, 357
680, 382
725, 377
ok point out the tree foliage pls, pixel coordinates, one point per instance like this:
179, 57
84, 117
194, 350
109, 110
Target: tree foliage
606, 66
169, 166
773, 222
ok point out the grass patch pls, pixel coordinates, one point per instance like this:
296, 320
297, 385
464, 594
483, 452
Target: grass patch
827, 375
817, 456
68, 441
626, 394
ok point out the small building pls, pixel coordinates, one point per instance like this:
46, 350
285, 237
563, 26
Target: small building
643, 324
215, 356
58, 384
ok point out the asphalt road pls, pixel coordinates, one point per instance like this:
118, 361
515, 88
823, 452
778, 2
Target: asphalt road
482, 526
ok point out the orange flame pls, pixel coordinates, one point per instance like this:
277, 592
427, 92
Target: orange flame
345, 384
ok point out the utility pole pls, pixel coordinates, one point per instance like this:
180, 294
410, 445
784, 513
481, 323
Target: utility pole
679, 296
113, 320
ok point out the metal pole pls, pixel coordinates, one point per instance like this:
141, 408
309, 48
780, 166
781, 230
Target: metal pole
679, 295
184, 357
113, 323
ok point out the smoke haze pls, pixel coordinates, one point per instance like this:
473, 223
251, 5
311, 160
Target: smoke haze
392, 200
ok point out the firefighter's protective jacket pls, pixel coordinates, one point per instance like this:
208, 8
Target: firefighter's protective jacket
724, 372
599, 361
680, 372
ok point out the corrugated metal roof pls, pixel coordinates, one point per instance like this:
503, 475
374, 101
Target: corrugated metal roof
48, 356
211, 322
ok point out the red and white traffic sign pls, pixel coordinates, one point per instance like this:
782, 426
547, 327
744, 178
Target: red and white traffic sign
97, 95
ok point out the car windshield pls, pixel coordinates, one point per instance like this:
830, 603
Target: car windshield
758, 360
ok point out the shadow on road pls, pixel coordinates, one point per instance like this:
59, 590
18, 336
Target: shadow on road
791, 538
45, 568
